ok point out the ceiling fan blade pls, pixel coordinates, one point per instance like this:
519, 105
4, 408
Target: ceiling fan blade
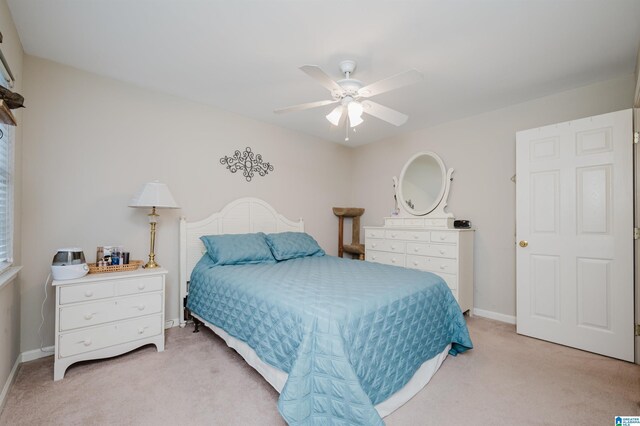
302, 107
384, 113
390, 83
321, 77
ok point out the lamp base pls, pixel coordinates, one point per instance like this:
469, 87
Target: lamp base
151, 264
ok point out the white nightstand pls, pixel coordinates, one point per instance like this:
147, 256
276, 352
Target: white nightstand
103, 315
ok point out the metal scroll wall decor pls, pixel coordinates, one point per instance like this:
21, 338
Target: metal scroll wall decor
248, 162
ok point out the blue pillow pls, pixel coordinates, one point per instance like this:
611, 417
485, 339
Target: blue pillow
289, 245
238, 249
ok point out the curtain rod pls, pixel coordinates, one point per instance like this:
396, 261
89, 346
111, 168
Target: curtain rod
5, 64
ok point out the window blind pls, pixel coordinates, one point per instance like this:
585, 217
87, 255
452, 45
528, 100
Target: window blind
6, 191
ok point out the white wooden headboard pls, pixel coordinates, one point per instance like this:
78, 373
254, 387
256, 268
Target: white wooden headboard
244, 215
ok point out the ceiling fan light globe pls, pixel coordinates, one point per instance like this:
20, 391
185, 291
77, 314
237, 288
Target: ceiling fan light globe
334, 116
355, 113
355, 121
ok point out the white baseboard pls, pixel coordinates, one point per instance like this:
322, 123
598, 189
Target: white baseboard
171, 323
37, 354
9, 382
509, 319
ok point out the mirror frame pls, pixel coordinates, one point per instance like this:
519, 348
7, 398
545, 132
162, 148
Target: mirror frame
443, 194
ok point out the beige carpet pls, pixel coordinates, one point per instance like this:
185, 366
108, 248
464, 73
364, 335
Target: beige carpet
198, 380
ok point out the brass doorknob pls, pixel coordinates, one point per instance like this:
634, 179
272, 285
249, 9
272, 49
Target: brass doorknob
524, 243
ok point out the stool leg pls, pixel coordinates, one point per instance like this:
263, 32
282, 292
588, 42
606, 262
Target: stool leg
340, 236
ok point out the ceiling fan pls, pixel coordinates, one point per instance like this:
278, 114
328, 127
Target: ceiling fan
352, 95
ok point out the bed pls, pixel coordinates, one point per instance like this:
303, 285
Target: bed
342, 341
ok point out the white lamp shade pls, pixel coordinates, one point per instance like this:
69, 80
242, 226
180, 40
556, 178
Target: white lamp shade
335, 115
355, 113
154, 194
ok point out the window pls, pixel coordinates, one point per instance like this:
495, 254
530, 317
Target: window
7, 135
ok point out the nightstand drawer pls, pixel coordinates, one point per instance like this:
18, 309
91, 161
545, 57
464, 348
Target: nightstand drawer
139, 285
86, 292
89, 314
92, 339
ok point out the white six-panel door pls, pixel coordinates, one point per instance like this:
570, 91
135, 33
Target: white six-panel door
574, 213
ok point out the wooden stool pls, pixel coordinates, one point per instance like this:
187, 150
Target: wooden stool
355, 248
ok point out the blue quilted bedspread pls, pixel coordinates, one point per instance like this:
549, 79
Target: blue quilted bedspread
348, 333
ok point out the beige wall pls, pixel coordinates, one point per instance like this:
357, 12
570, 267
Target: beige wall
10, 294
481, 149
91, 142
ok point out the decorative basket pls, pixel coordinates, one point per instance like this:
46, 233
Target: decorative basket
131, 266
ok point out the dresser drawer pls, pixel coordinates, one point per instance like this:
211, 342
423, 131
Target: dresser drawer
86, 292
385, 257
386, 245
437, 250
444, 237
374, 233
433, 264
91, 339
395, 234
138, 285
450, 279
89, 314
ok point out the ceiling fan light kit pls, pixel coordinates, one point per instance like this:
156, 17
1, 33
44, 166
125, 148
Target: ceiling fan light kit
349, 93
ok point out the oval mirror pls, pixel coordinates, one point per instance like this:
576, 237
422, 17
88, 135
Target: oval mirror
422, 183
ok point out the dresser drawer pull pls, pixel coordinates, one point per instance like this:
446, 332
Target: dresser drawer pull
393, 247
442, 251
393, 260
443, 266
89, 316
142, 329
415, 263
86, 342
141, 307
141, 286
374, 257
416, 236
88, 293
442, 237
393, 235
373, 245
416, 249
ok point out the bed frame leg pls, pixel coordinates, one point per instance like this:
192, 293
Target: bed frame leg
197, 323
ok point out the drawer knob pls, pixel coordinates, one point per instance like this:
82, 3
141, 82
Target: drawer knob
373, 257
441, 237
88, 293
442, 266
393, 235
416, 249
87, 342
141, 307
141, 286
141, 330
89, 316
415, 262
393, 247
373, 245
415, 237
441, 251
393, 261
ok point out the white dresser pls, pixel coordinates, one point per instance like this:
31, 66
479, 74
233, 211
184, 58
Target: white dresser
103, 315
413, 243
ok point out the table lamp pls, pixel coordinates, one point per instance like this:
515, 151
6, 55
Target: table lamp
153, 195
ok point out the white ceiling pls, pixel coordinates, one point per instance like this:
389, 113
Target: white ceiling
243, 56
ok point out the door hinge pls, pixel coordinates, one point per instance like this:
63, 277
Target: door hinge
636, 233
637, 329
636, 137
